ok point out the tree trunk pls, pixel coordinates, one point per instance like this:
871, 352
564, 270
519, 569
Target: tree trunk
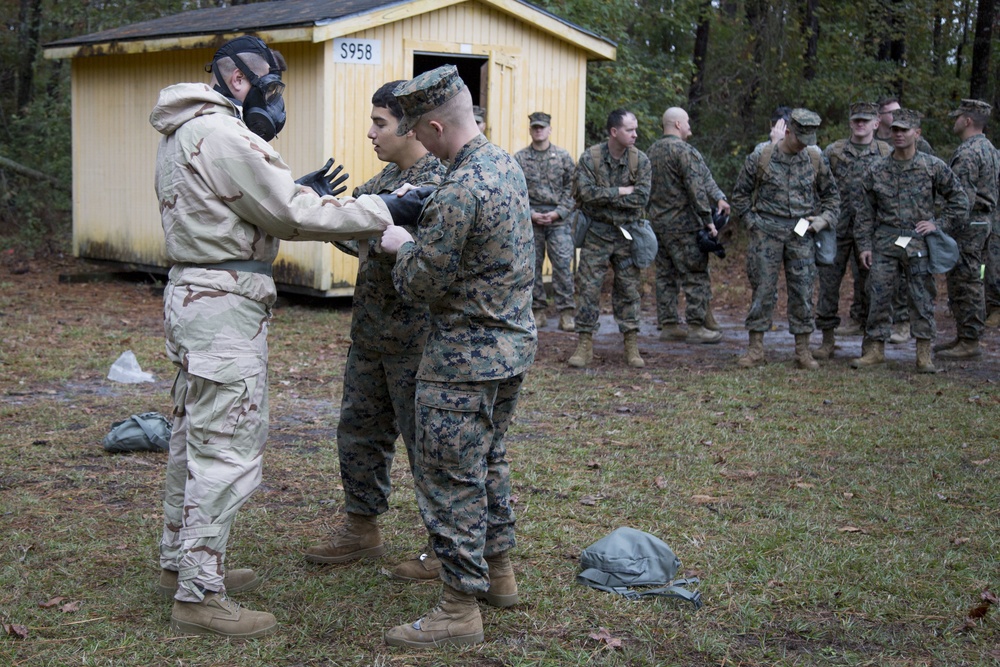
30, 20
697, 89
756, 12
982, 46
960, 51
811, 25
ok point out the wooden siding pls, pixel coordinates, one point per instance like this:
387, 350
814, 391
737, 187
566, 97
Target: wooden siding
115, 213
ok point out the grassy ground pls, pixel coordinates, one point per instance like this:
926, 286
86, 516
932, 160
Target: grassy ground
834, 518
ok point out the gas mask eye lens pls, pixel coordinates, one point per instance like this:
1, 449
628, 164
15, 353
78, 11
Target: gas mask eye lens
272, 90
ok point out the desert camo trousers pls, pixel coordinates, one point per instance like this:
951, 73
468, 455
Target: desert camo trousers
218, 341
377, 407
462, 475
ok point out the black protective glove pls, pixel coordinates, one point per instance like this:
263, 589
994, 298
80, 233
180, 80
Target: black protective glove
719, 219
405, 210
707, 243
324, 183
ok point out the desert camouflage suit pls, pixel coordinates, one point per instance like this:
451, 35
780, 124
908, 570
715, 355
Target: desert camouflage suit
977, 166
897, 194
549, 175
472, 263
597, 194
225, 197
380, 379
789, 189
681, 198
847, 162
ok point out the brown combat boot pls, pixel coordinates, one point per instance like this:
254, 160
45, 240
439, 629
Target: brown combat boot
900, 333
964, 348
566, 321
218, 615
632, 357
873, 354
825, 350
236, 581
924, 362
703, 335
803, 358
940, 347
356, 537
710, 322
454, 622
584, 354
993, 319
673, 332
755, 351
503, 586
425, 567
540, 318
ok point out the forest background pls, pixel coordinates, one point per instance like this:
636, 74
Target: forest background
728, 62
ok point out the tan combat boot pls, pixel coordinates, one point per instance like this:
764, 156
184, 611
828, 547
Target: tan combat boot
825, 350
900, 333
566, 321
218, 615
503, 586
673, 332
965, 348
235, 581
873, 353
425, 567
584, 354
356, 537
454, 622
803, 358
703, 335
755, 351
540, 318
941, 347
924, 362
710, 322
993, 319
852, 328
632, 357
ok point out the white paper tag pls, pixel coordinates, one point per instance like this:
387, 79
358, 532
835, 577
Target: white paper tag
903, 241
625, 233
801, 226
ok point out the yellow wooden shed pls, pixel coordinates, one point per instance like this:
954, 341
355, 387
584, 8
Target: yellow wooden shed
515, 57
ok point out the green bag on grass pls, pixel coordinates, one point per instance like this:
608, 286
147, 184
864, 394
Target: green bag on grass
148, 432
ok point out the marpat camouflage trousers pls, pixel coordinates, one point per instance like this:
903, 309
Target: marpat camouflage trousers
992, 281
605, 246
892, 266
679, 262
218, 341
557, 240
830, 279
965, 282
766, 255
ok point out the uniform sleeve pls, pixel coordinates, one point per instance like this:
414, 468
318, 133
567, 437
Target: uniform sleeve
955, 212
587, 189
966, 169
258, 187
698, 184
566, 203
425, 269
829, 195
643, 185
864, 216
742, 195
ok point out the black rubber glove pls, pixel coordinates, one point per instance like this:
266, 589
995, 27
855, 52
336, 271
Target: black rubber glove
326, 183
405, 210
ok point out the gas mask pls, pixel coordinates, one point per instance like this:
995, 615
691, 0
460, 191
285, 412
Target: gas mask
264, 106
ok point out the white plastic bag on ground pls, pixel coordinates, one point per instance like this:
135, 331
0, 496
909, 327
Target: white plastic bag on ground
126, 369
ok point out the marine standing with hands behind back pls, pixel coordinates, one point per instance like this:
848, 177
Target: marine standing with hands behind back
471, 260
226, 197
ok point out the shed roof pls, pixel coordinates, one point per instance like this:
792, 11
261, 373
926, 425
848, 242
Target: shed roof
300, 20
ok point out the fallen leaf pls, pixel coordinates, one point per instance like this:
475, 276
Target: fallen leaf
602, 635
980, 462
16, 630
941, 496
850, 529
591, 499
71, 607
805, 485
719, 460
707, 443
990, 597
848, 495
661, 482
959, 541
623, 409
51, 603
593, 465
703, 499
740, 474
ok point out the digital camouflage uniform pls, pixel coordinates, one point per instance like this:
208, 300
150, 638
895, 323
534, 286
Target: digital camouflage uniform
225, 196
789, 189
682, 196
977, 167
847, 162
472, 263
597, 194
549, 175
992, 261
387, 341
896, 195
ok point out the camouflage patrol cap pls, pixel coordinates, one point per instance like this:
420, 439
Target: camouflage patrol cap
908, 119
972, 106
803, 124
864, 111
539, 119
424, 93
479, 113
